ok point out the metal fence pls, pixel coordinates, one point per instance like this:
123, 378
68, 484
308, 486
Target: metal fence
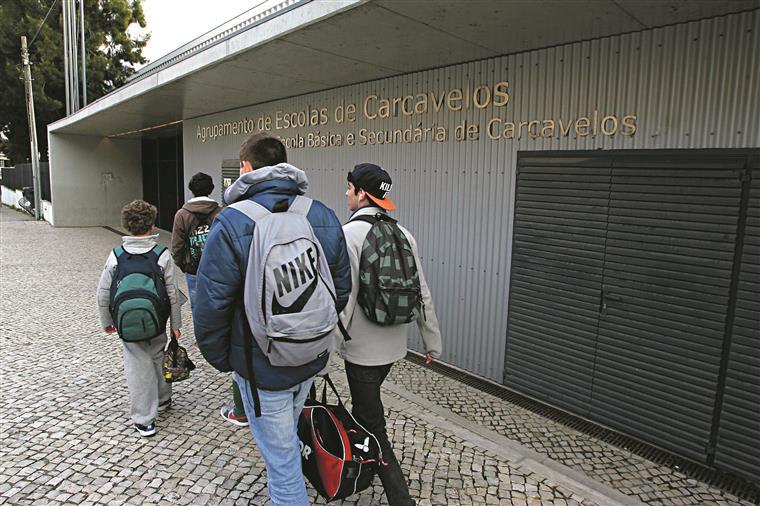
20, 176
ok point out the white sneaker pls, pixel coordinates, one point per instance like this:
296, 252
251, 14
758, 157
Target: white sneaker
228, 413
146, 430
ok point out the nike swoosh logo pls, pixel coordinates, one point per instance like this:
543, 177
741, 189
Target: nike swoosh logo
297, 305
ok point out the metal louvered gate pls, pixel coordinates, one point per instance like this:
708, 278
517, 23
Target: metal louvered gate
736, 438
557, 265
626, 270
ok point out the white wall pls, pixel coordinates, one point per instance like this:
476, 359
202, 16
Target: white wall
11, 196
47, 211
91, 178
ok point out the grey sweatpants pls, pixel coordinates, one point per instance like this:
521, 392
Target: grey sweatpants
143, 363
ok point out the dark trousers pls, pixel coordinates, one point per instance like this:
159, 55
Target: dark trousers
364, 382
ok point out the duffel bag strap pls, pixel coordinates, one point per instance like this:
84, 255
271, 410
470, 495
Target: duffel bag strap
328, 381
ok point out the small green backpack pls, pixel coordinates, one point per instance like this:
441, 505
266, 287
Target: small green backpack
139, 304
389, 283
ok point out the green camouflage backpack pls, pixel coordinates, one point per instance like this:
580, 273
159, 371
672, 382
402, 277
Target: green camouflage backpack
389, 284
139, 304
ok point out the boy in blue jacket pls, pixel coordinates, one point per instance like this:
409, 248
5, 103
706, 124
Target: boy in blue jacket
220, 319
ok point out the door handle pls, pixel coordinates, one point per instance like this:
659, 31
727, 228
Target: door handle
606, 297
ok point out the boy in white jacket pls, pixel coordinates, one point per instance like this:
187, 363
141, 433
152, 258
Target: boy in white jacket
373, 349
143, 360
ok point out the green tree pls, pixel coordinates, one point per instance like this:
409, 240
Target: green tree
110, 51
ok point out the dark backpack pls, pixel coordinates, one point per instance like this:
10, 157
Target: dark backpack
389, 283
139, 303
339, 457
196, 240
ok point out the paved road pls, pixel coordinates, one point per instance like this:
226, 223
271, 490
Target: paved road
66, 435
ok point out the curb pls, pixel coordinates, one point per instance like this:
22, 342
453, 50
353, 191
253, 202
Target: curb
516, 453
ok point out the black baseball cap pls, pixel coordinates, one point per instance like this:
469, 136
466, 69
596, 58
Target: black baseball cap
375, 181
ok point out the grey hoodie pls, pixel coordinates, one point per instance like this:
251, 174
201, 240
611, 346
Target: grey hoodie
142, 244
281, 171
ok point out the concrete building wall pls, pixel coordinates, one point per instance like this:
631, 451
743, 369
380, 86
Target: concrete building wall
93, 178
453, 158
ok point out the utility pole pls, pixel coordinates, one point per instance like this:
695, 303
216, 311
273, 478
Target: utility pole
84, 60
74, 58
32, 126
66, 53
70, 50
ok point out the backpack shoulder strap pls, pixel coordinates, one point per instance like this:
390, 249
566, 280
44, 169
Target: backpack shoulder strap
373, 218
157, 250
253, 210
300, 205
366, 218
118, 251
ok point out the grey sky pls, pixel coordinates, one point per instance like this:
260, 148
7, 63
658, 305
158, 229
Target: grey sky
172, 23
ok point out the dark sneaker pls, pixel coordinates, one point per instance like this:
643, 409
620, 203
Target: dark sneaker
228, 413
163, 406
146, 430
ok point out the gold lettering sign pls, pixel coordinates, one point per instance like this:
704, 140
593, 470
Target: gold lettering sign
470, 98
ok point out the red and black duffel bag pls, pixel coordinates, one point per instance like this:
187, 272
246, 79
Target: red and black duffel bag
339, 457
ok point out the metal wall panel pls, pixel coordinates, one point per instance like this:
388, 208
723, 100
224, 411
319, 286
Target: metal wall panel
694, 85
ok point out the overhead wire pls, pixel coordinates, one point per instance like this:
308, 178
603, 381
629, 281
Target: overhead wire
43, 22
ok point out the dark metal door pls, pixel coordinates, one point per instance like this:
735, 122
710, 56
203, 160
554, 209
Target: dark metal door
557, 261
150, 171
163, 176
630, 302
736, 436
665, 293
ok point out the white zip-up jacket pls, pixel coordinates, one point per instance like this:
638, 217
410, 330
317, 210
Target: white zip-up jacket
372, 344
142, 244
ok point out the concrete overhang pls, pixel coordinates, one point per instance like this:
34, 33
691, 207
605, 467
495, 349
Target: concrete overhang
321, 44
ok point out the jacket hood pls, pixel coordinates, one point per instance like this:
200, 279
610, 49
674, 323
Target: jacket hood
282, 171
141, 244
201, 206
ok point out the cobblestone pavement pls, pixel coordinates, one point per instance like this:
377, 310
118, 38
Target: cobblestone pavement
632, 475
66, 436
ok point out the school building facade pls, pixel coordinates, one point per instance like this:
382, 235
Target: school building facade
583, 180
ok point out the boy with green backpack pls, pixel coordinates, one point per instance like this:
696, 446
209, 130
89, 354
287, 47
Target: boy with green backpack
137, 294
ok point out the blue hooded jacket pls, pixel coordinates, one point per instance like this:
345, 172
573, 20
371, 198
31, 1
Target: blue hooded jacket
218, 312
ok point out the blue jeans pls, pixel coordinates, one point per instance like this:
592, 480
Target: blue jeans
276, 436
190, 279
